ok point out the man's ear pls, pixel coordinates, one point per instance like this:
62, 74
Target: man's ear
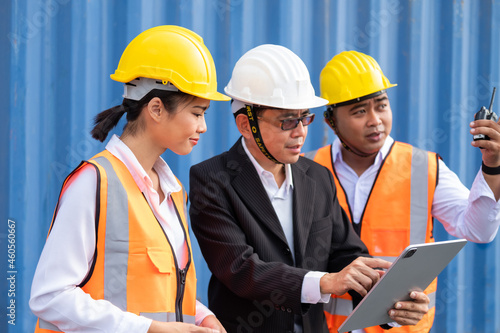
331, 122
244, 126
154, 108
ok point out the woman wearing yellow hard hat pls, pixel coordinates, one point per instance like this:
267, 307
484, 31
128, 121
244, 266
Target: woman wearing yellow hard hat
118, 255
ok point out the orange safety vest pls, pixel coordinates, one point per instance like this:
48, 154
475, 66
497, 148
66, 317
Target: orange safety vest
397, 214
134, 265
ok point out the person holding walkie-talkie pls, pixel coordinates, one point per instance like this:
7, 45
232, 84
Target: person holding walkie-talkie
390, 190
486, 114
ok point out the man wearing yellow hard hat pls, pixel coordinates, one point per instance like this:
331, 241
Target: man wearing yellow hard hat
118, 255
391, 190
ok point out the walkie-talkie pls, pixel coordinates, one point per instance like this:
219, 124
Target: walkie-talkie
487, 114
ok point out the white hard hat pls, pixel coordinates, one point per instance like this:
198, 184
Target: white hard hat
274, 76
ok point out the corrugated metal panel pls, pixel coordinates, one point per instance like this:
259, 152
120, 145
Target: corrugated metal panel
56, 57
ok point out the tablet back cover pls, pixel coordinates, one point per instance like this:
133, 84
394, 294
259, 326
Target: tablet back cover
414, 269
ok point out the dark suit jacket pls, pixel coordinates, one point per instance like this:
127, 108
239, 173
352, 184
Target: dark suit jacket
255, 284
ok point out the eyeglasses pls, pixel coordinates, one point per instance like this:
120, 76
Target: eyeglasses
291, 123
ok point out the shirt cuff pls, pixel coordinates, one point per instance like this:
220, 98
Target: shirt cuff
201, 313
393, 324
311, 293
480, 188
132, 322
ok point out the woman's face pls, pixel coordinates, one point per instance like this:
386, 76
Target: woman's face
180, 129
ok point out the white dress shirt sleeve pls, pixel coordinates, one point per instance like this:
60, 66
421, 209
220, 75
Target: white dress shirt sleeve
473, 215
311, 290
201, 313
64, 264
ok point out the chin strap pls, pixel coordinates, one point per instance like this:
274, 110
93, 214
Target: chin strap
328, 114
256, 134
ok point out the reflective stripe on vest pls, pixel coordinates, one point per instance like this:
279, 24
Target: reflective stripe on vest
412, 173
419, 209
48, 326
117, 239
113, 250
167, 317
338, 306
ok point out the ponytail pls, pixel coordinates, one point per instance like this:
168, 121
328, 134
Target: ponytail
105, 121
108, 119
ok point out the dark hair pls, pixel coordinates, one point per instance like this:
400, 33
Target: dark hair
108, 119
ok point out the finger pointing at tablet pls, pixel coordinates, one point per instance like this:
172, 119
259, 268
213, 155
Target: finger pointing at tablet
360, 276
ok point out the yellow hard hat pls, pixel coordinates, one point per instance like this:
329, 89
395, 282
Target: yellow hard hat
171, 54
350, 77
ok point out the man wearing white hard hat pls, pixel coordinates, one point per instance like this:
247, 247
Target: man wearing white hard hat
268, 221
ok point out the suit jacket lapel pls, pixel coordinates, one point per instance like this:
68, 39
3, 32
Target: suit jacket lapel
303, 206
248, 185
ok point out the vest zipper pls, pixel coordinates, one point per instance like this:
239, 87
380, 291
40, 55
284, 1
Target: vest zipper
181, 273
181, 281
180, 293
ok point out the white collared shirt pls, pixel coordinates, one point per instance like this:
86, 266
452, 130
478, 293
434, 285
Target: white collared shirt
69, 250
473, 215
282, 201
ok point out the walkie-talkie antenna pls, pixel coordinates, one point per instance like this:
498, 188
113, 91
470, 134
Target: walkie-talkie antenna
492, 98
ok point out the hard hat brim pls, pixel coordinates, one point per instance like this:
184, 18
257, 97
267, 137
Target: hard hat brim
314, 102
361, 98
214, 96
140, 87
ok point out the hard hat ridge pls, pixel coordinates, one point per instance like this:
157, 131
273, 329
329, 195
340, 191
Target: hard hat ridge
272, 75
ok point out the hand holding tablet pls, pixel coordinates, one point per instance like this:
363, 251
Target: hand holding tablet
414, 269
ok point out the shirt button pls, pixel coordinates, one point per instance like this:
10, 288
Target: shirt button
288, 310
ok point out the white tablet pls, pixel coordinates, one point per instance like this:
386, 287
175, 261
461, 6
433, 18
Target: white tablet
415, 268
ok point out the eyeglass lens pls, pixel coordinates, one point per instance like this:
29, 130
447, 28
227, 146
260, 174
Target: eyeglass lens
288, 124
